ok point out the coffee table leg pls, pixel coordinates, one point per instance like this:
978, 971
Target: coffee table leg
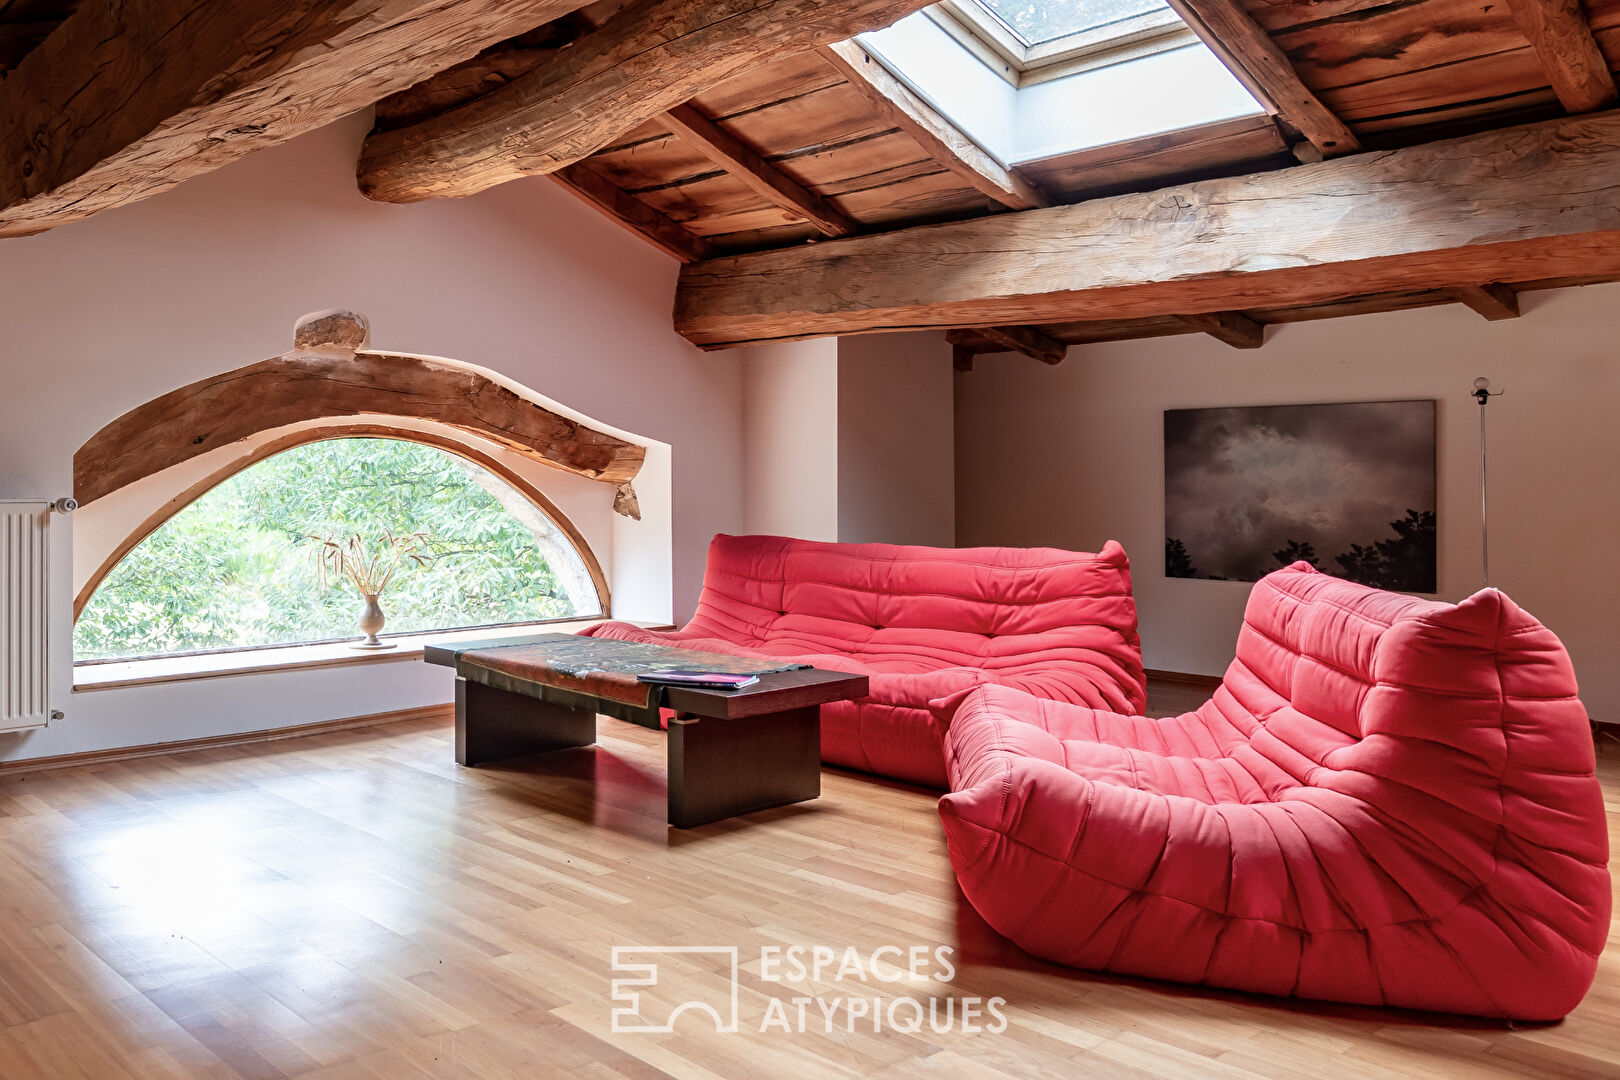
722, 768
493, 724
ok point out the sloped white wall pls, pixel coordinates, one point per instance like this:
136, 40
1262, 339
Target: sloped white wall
105, 314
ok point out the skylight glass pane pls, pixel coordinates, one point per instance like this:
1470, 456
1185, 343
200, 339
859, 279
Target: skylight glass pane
1040, 21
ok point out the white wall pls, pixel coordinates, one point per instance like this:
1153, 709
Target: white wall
1073, 455
103, 315
850, 440
790, 439
896, 457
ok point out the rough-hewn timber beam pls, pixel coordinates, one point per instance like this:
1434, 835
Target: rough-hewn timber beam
633, 214
649, 58
1232, 327
1265, 71
961, 358
1563, 39
330, 373
940, 139
765, 179
125, 100
1033, 343
1532, 202
1494, 301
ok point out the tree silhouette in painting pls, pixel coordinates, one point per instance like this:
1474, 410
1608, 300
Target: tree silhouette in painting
1295, 552
1177, 562
1404, 564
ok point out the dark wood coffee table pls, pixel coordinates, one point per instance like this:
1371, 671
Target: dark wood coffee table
729, 752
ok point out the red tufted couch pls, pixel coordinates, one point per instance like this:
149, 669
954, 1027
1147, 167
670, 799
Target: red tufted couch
924, 623
1388, 801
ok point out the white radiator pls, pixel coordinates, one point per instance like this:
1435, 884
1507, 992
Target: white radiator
24, 676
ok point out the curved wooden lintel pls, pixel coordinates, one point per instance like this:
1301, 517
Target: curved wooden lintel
269, 449
305, 385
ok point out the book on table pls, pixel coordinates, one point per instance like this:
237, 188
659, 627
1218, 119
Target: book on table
705, 680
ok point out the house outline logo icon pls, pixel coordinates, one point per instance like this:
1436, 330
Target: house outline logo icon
639, 975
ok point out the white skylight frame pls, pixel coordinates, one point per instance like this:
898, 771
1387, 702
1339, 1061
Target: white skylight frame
1004, 51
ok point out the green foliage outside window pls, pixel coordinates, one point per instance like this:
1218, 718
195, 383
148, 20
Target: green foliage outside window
234, 568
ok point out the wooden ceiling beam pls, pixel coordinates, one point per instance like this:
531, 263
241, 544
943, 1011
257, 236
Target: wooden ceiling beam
126, 100
939, 138
1265, 71
961, 359
1232, 327
1523, 203
636, 216
765, 179
1493, 301
325, 380
647, 59
1563, 40
1033, 343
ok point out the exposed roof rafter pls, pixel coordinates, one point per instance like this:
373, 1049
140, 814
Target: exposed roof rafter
122, 101
940, 139
1563, 40
744, 163
1266, 72
647, 59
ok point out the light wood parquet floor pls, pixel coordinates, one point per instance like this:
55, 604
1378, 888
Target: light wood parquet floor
354, 905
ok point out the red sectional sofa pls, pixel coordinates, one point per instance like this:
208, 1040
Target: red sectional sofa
923, 623
1388, 801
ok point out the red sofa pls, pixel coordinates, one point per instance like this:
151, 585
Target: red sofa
1388, 801
923, 623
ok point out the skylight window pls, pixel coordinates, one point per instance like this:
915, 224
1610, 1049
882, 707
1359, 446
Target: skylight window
1032, 41
1037, 22
1117, 70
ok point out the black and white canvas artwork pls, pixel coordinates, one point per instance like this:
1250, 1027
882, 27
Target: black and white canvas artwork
1349, 488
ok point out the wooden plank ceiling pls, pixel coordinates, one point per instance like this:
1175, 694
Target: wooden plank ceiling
26, 23
826, 144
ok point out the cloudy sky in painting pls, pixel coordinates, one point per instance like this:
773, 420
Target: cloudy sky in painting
1240, 483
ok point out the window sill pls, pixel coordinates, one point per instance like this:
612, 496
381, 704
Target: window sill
165, 669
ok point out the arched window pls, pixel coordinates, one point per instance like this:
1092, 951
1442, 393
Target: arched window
239, 568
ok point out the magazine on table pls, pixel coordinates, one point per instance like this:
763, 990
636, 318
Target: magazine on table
704, 680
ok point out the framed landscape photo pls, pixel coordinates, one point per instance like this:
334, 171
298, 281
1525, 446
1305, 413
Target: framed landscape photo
1348, 488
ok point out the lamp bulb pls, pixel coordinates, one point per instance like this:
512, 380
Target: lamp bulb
1482, 383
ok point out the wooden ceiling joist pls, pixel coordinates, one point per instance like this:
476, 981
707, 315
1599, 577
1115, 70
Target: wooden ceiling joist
940, 139
1027, 340
647, 59
123, 100
765, 179
1537, 201
1575, 64
1232, 327
1493, 301
1266, 72
633, 214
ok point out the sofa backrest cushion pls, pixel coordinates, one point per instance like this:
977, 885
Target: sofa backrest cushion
984, 606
